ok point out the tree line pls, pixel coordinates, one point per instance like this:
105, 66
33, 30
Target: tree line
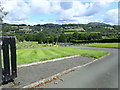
46, 38
49, 33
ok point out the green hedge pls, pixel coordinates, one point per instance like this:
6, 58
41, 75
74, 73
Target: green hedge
97, 41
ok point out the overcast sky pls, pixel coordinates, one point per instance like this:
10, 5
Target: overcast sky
60, 11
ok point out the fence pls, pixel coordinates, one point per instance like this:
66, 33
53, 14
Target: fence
8, 67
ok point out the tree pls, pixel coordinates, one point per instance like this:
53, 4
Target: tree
62, 38
41, 37
49, 39
69, 37
30, 37
20, 37
75, 35
56, 38
2, 13
95, 36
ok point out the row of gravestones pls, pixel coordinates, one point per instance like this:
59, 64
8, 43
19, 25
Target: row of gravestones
31, 46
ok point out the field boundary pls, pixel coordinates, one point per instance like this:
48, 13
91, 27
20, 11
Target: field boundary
99, 47
56, 76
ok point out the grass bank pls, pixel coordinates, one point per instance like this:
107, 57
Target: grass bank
106, 45
35, 55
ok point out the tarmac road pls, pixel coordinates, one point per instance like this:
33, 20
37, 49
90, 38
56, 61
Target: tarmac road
100, 74
30, 74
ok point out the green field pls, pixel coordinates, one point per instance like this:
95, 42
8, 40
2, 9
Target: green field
78, 32
35, 55
73, 30
106, 45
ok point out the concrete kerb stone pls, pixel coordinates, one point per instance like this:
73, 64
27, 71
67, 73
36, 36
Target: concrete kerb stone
51, 78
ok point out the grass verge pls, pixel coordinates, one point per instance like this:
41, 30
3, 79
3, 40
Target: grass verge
106, 45
35, 55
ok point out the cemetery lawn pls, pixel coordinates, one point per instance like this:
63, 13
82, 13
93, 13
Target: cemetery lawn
106, 45
35, 55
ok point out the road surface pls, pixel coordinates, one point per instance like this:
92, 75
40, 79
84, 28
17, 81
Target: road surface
30, 74
100, 74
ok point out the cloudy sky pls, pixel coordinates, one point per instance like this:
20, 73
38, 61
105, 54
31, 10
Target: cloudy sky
60, 11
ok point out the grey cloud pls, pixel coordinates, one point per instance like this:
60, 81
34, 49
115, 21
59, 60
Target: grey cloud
65, 20
111, 16
96, 8
93, 10
66, 5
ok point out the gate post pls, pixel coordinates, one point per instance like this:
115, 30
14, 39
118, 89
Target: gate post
0, 61
8, 66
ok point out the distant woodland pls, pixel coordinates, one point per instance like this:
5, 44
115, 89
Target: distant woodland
49, 33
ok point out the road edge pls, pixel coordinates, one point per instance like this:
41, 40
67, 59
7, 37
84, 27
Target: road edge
53, 77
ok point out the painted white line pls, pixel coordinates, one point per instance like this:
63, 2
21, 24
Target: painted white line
43, 62
59, 74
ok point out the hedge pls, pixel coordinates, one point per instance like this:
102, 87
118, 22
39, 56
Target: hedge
97, 41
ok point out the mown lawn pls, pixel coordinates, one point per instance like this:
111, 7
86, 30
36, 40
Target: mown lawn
35, 55
107, 45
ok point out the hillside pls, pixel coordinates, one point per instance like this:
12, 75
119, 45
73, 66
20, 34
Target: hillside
97, 23
56, 28
61, 33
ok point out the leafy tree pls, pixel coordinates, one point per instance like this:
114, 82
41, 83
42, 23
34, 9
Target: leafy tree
30, 37
41, 37
50, 39
75, 35
56, 37
69, 37
62, 38
20, 38
2, 13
